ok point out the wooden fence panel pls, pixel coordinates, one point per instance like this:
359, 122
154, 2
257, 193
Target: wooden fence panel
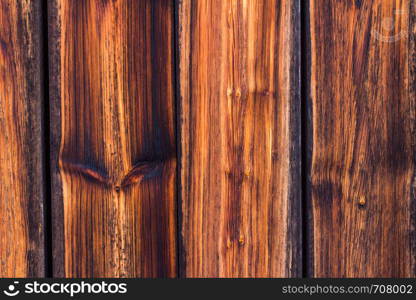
114, 153
118, 183
22, 252
362, 107
240, 138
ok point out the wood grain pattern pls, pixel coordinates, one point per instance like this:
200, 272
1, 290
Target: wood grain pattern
240, 138
113, 138
362, 103
21, 156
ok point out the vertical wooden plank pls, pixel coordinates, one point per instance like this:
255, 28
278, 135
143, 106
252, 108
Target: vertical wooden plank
240, 138
21, 159
114, 159
362, 144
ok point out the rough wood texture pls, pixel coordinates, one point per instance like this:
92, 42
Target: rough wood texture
21, 156
362, 104
240, 140
114, 160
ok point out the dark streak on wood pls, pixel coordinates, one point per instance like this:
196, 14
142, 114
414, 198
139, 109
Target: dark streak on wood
412, 95
57, 230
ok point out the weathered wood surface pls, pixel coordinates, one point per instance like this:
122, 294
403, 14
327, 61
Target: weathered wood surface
362, 108
114, 143
240, 138
21, 155
114, 153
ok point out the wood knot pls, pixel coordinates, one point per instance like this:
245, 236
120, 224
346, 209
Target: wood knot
238, 93
234, 92
362, 201
266, 93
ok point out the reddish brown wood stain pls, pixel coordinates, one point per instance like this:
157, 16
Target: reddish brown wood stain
240, 139
117, 163
21, 157
362, 105
114, 162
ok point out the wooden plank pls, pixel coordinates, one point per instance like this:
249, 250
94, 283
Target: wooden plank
240, 138
22, 252
114, 156
362, 143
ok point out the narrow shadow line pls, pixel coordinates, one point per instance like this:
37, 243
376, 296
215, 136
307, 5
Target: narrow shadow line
306, 138
46, 140
178, 138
